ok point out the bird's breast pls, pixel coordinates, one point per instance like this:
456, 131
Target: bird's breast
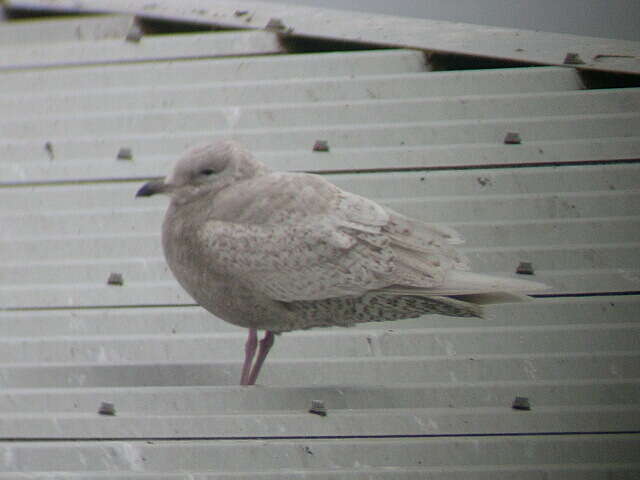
211, 285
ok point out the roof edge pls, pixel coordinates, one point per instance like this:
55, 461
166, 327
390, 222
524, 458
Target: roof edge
527, 46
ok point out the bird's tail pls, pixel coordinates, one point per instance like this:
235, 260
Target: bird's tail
462, 294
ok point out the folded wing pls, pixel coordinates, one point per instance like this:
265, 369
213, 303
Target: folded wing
326, 243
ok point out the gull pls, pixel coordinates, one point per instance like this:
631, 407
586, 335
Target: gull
283, 251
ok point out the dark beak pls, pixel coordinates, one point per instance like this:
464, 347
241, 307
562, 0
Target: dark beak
151, 188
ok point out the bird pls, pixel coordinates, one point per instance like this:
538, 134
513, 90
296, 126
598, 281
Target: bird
283, 251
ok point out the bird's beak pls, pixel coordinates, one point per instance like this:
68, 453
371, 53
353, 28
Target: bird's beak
151, 188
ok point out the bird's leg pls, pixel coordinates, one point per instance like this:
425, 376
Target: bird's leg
249, 353
265, 345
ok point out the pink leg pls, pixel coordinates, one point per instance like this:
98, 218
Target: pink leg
249, 353
265, 345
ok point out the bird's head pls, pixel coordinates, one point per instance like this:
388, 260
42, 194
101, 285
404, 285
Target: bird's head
206, 169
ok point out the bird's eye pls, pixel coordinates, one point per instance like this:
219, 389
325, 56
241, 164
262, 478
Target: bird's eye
207, 171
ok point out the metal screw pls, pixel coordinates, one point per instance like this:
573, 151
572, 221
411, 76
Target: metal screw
115, 279
525, 268
135, 32
573, 59
277, 25
318, 408
107, 408
125, 154
48, 147
521, 403
321, 146
512, 138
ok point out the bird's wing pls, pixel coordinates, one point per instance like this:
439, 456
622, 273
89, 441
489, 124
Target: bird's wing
423, 252
302, 238
303, 261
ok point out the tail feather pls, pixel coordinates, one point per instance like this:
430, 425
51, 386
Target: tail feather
492, 298
473, 289
458, 282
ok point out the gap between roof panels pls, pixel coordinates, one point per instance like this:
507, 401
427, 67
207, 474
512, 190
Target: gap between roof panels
195, 305
91, 181
318, 437
157, 26
488, 166
306, 44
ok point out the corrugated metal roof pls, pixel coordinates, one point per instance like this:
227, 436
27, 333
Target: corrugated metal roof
194, 45
581, 237
441, 119
72, 29
423, 397
526, 46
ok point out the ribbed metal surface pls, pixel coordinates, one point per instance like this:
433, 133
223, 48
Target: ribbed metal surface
572, 457
372, 120
73, 29
428, 397
525, 46
579, 225
171, 372
146, 49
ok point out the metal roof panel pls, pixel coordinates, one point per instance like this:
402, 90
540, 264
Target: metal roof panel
433, 394
577, 224
440, 36
195, 45
73, 29
213, 71
572, 456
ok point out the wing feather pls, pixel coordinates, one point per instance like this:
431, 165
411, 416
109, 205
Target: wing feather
323, 242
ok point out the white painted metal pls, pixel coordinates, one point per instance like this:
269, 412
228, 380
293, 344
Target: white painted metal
227, 70
149, 48
282, 116
571, 457
440, 119
171, 369
258, 91
474, 340
193, 321
578, 225
383, 158
73, 29
379, 135
597, 185
562, 361
440, 36
373, 422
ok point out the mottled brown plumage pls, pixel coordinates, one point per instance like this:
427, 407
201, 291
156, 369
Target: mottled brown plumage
284, 251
